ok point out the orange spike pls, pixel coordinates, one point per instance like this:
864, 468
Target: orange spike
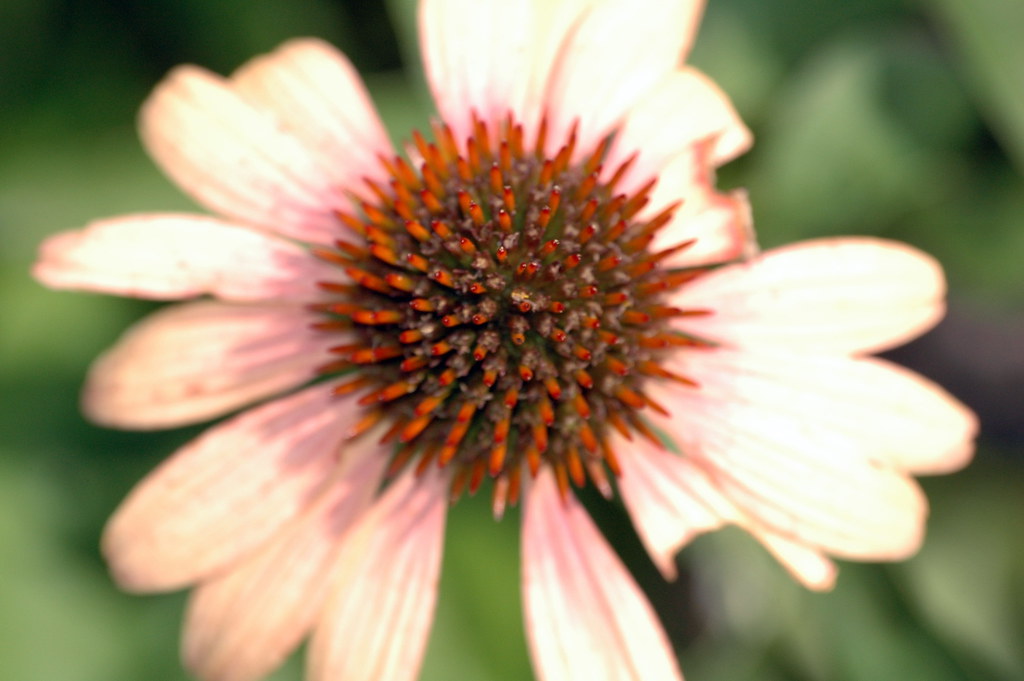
620, 425
533, 460
553, 387
617, 366
546, 411
630, 397
497, 459
350, 386
581, 405
575, 466
369, 419
476, 475
413, 363
540, 437
429, 404
561, 480
511, 397
588, 438
415, 427
443, 277
584, 379
610, 459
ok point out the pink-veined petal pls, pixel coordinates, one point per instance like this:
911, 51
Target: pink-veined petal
612, 58
586, 619
683, 111
195, 361
669, 498
375, 625
797, 477
236, 159
473, 55
895, 417
168, 256
839, 295
315, 91
222, 495
241, 626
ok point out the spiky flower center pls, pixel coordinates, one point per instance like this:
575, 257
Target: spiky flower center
503, 307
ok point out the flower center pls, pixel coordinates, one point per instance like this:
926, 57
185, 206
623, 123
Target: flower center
503, 307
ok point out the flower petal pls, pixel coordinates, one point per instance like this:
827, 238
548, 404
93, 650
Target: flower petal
683, 111
669, 498
895, 417
473, 55
797, 477
586, 619
612, 58
196, 361
225, 493
236, 159
241, 626
166, 256
720, 225
376, 624
314, 91
839, 295
808, 565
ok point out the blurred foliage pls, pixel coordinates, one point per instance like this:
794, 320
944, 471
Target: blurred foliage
899, 118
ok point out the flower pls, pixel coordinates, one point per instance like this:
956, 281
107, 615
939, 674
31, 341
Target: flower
547, 293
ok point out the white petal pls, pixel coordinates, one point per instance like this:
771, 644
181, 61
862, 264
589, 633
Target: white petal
167, 256
473, 54
376, 624
797, 477
893, 416
241, 626
670, 499
318, 95
829, 295
195, 361
807, 564
612, 58
236, 159
226, 492
586, 619
686, 109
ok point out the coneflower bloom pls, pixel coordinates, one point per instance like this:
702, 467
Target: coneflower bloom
543, 292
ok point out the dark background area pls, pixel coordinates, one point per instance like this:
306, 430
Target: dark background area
898, 118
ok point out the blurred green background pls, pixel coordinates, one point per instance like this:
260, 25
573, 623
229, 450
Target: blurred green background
901, 118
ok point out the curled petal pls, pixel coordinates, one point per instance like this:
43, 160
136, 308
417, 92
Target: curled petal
838, 295
166, 256
228, 491
376, 624
196, 361
316, 93
586, 619
236, 159
240, 626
